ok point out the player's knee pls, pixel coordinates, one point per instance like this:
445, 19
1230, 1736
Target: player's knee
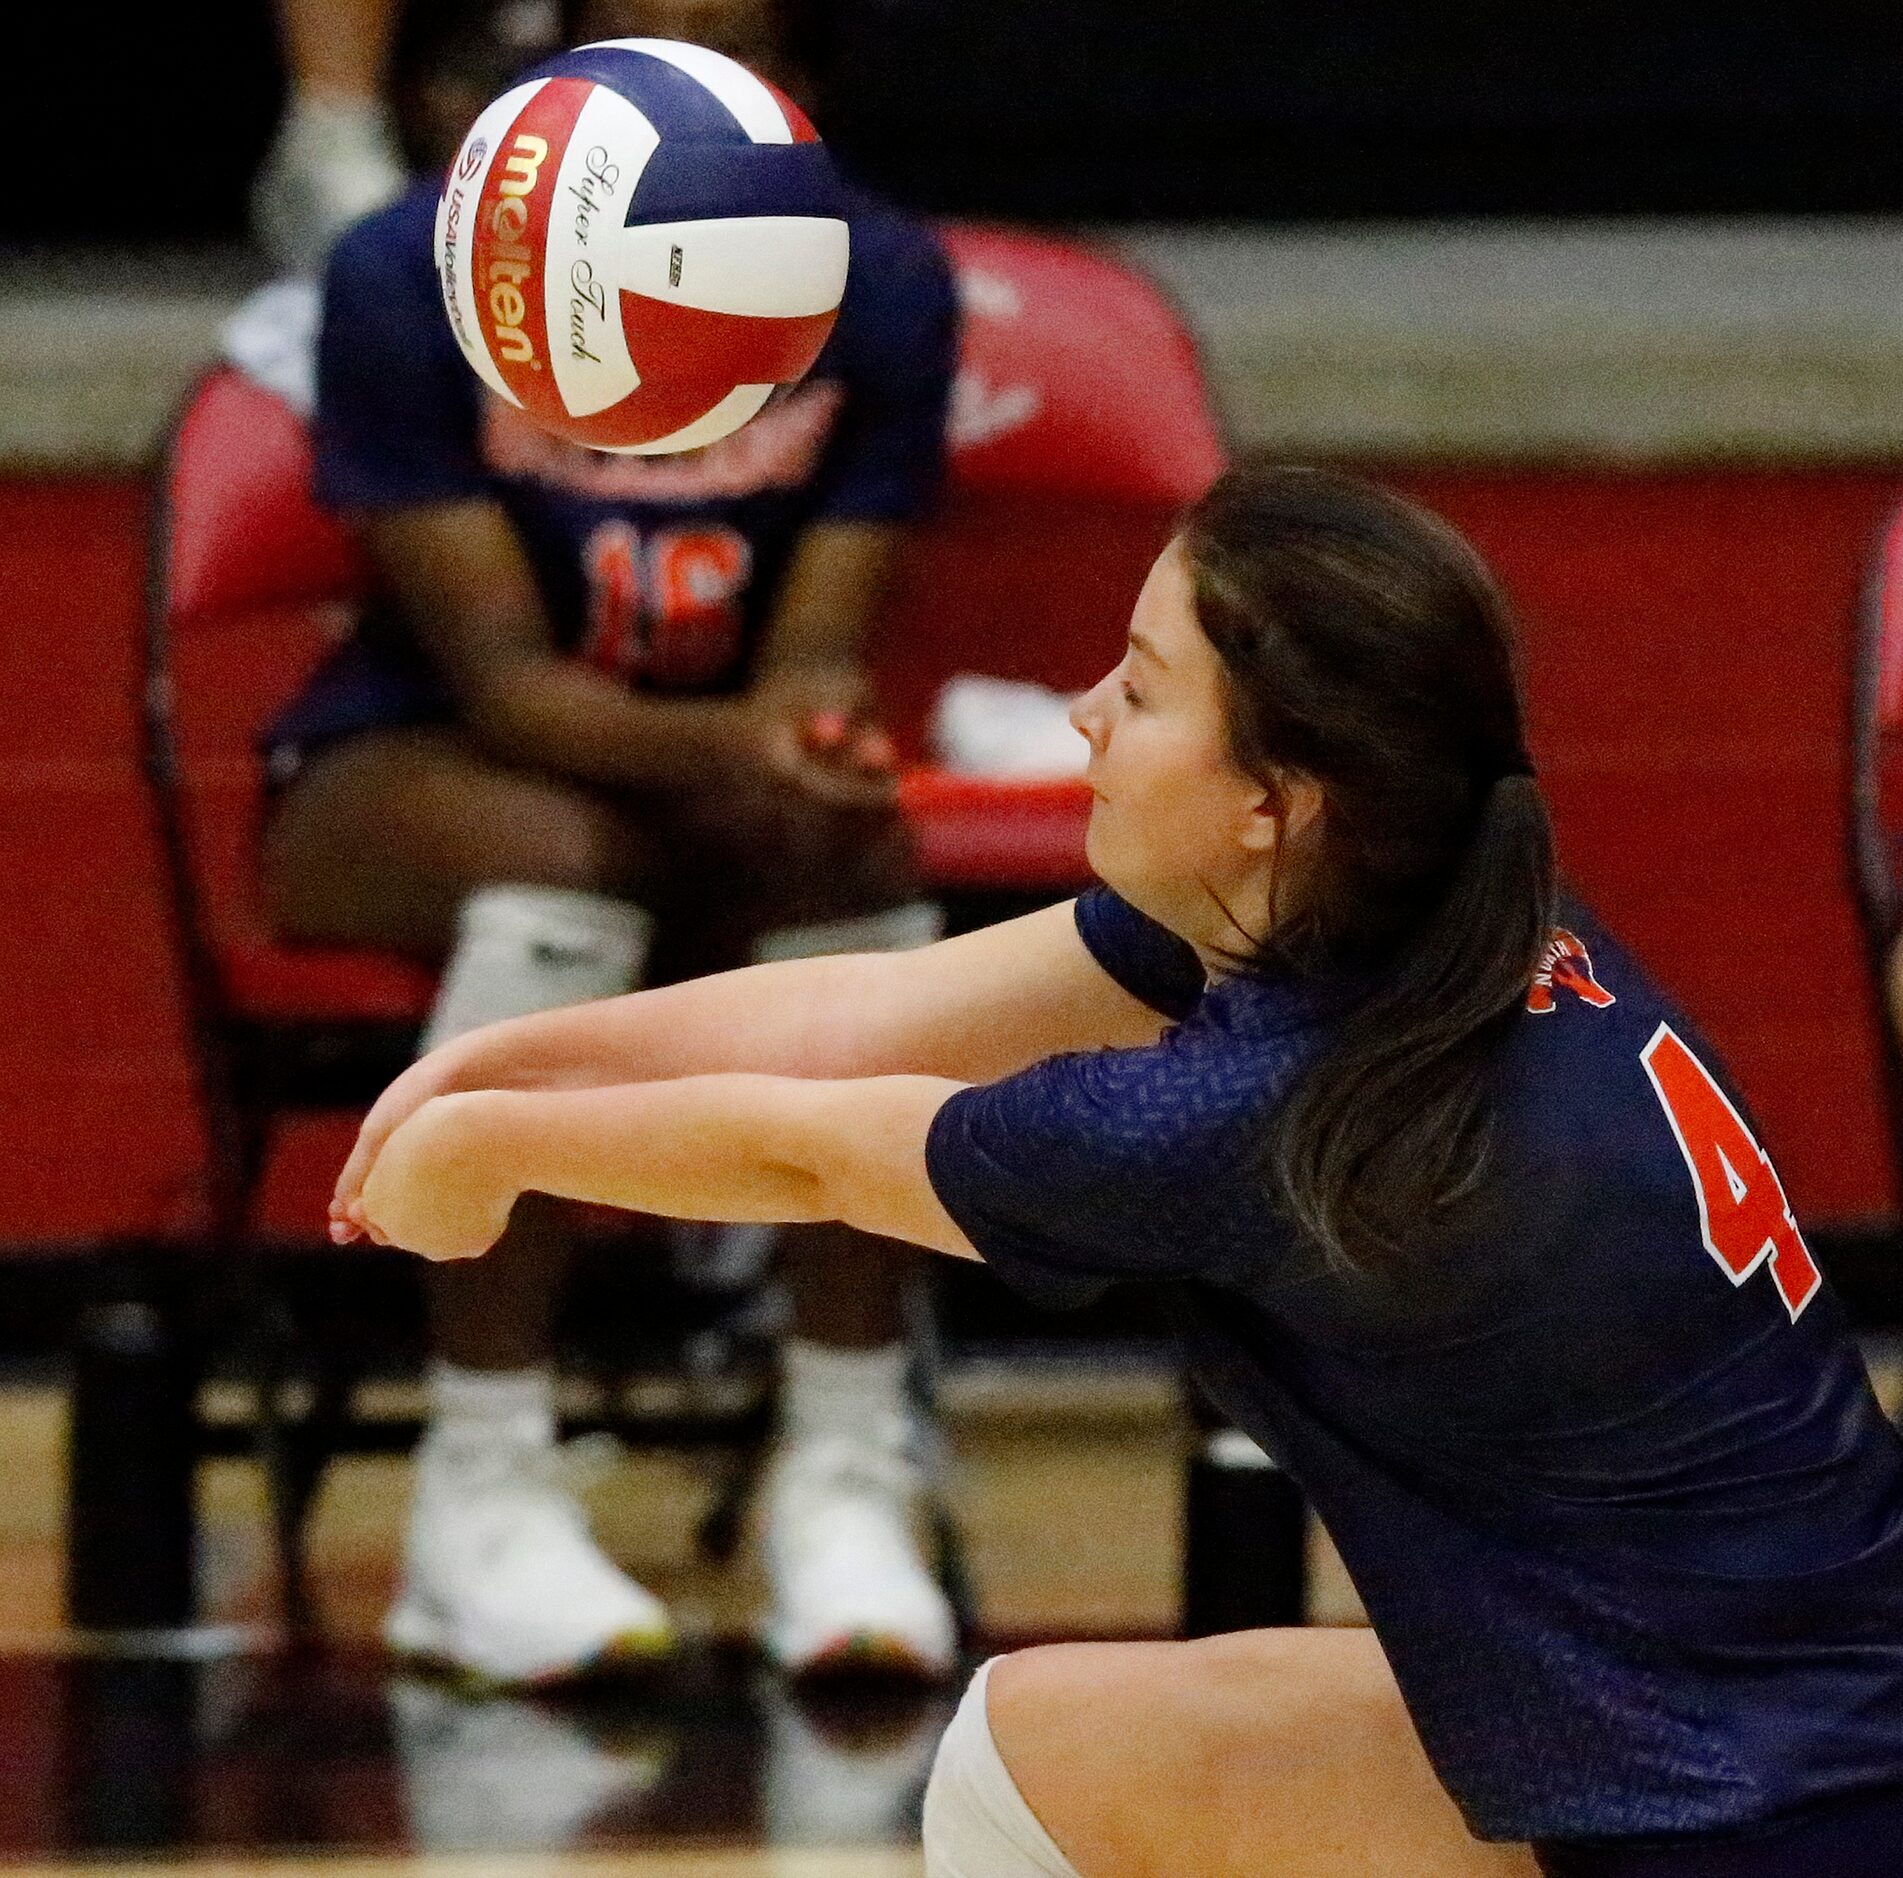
977, 1822
536, 831
1243, 1705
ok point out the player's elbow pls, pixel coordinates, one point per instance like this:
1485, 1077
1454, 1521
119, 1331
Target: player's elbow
816, 1155
795, 1194
869, 1158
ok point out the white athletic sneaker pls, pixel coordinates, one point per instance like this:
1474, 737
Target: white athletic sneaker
503, 1581
849, 1586
331, 162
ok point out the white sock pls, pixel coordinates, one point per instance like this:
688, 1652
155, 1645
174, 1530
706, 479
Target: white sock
525, 949
334, 114
477, 1412
828, 1391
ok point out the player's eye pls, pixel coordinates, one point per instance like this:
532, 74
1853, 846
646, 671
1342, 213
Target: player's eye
1130, 694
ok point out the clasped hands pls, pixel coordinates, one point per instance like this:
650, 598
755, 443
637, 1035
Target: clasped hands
818, 735
432, 1171
434, 1179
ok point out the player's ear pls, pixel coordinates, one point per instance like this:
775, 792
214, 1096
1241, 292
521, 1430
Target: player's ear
1280, 811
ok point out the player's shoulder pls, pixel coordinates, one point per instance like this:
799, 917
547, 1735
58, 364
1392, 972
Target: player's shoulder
896, 255
387, 251
1181, 1108
1215, 1077
1592, 1006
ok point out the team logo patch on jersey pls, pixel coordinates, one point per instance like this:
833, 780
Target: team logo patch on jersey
1567, 963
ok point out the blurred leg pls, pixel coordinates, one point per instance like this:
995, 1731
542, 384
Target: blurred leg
1284, 1752
385, 841
334, 157
849, 1580
338, 48
770, 877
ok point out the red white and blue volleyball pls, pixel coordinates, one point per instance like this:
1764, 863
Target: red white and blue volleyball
638, 243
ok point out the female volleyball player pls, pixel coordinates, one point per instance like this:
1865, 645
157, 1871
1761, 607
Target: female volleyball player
1455, 1214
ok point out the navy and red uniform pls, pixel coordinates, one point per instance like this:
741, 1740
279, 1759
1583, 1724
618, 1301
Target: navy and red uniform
1603, 1461
661, 570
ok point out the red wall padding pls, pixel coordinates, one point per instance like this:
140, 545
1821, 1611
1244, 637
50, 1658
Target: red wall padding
1688, 661
99, 1133
1688, 642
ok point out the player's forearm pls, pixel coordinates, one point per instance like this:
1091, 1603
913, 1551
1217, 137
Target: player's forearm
803, 1017
700, 1147
555, 715
831, 594
778, 1149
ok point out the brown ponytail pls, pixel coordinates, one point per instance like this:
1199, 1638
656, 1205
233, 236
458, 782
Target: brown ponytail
1365, 646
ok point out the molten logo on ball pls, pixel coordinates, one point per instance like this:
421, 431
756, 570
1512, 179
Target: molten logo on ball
638, 243
510, 265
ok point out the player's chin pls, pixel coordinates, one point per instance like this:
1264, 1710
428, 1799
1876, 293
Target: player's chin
1155, 885
1109, 856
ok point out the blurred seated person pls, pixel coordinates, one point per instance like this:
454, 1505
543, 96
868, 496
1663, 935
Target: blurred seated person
596, 697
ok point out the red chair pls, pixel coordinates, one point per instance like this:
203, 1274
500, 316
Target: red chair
1081, 428
1877, 732
1876, 820
248, 585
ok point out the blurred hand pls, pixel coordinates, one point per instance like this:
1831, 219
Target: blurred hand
811, 727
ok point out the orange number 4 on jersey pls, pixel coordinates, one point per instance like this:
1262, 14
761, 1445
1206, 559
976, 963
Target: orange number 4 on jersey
1741, 1205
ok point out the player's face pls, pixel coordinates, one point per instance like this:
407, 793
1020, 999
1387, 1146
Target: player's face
1176, 827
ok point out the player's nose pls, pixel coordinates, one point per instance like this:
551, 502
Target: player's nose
1087, 716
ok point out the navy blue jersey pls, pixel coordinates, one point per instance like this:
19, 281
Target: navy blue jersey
1602, 1459
659, 569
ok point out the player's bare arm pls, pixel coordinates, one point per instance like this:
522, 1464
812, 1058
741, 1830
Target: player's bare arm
834, 586
463, 580
810, 670
725, 1147
971, 1009
462, 577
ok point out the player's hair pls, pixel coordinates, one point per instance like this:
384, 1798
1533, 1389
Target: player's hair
1366, 646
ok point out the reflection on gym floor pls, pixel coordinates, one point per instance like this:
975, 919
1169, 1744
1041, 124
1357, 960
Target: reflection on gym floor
105, 1757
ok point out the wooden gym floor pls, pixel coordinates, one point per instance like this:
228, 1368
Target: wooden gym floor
332, 1762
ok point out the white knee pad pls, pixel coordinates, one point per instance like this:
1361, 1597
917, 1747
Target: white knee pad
525, 949
977, 1824
902, 929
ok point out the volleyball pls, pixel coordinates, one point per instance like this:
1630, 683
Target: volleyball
638, 242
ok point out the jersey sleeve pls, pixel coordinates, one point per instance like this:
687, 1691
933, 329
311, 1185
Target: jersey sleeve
887, 458
397, 405
1090, 1169
1146, 959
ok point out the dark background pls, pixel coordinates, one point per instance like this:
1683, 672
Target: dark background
144, 124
